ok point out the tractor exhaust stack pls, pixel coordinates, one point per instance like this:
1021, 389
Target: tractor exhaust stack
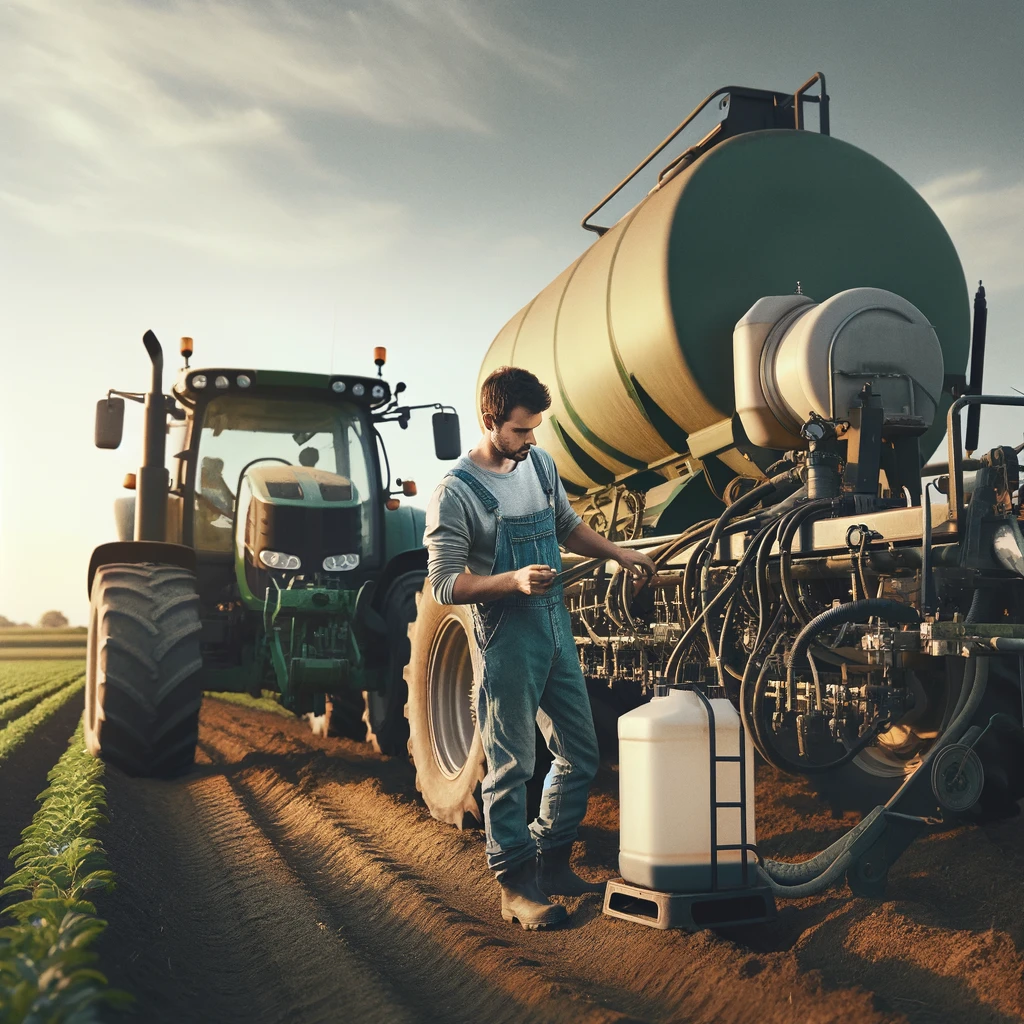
151, 513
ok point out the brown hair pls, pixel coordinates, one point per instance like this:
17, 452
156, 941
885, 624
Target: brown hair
509, 386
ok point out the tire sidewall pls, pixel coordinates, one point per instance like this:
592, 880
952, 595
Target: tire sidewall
452, 800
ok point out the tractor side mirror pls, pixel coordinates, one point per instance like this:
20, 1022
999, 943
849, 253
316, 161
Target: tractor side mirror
109, 422
447, 439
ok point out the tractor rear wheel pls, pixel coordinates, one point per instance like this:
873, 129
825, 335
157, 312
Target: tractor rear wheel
444, 741
142, 692
387, 728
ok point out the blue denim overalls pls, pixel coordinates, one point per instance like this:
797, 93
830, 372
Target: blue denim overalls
530, 673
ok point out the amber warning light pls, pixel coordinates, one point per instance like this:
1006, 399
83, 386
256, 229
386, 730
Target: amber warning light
186, 350
380, 357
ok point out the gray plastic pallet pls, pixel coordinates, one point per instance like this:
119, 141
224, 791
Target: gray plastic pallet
689, 911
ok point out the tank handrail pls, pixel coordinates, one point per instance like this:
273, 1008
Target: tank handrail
955, 446
597, 229
798, 98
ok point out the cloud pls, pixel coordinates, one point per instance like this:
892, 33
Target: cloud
187, 120
985, 221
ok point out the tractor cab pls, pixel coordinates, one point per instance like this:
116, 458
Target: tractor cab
279, 480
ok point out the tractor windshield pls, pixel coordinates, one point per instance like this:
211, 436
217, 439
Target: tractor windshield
237, 430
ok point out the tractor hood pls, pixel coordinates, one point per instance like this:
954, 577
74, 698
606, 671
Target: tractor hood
301, 526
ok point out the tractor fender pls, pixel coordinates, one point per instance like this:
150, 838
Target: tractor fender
411, 561
133, 552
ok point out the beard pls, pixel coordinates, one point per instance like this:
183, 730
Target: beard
514, 454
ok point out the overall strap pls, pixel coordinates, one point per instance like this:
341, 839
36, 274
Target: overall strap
542, 476
489, 501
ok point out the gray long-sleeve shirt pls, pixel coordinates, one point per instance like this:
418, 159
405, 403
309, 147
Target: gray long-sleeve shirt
461, 533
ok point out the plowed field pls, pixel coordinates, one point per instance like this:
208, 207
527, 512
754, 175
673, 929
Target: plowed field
295, 878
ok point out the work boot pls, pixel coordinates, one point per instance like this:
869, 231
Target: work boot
522, 901
556, 878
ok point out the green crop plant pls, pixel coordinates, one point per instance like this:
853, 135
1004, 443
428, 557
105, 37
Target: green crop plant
21, 728
16, 706
47, 966
18, 677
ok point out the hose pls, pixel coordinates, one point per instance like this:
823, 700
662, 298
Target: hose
786, 537
794, 881
672, 664
852, 612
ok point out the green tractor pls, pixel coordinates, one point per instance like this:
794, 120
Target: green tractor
264, 548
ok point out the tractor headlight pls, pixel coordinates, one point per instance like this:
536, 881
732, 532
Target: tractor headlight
280, 560
199, 381
221, 382
340, 563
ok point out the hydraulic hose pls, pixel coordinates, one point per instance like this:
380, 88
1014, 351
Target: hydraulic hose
817, 874
787, 535
854, 611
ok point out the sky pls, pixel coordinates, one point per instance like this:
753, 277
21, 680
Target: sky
294, 183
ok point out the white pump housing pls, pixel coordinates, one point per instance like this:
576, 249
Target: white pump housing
793, 356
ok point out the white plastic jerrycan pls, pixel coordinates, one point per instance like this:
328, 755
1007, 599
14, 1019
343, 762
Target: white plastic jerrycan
665, 795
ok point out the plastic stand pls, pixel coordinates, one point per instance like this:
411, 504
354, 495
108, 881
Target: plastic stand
690, 911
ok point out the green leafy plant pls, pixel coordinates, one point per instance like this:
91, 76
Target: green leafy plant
47, 966
21, 728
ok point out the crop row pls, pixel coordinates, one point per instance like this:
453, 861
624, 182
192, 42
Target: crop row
20, 677
17, 731
11, 709
47, 966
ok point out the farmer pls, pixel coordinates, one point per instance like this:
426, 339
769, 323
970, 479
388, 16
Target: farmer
502, 512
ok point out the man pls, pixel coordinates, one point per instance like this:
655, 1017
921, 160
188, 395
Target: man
502, 513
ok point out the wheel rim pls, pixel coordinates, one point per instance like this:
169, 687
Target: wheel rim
450, 688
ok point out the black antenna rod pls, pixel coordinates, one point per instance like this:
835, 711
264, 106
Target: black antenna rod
977, 368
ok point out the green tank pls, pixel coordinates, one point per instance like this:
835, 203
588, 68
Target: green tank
634, 339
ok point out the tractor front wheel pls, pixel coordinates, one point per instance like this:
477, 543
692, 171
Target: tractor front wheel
142, 692
387, 728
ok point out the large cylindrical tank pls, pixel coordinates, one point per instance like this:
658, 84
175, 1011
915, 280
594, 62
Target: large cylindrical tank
634, 339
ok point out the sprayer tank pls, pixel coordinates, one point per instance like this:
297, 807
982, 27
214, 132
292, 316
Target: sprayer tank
635, 339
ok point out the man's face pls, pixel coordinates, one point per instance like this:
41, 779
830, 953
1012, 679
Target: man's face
514, 437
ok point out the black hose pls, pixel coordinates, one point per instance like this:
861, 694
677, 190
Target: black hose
671, 665
854, 611
786, 537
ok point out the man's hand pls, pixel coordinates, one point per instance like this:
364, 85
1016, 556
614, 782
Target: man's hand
533, 579
636, 563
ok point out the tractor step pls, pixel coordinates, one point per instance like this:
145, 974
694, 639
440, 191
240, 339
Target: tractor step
690, 911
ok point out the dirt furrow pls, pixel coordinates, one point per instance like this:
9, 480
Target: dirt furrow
622, 964
447, 957
295, 877
208, 922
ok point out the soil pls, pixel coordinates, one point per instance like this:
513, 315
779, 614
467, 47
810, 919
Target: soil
298, 878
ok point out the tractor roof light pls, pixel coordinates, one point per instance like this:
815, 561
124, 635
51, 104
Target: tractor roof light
338, 387
341, 563
359, 390
221, 382
199, 381
243, 380
280, 560
377, 391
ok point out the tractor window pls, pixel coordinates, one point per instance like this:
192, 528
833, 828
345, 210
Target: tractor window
236, 430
